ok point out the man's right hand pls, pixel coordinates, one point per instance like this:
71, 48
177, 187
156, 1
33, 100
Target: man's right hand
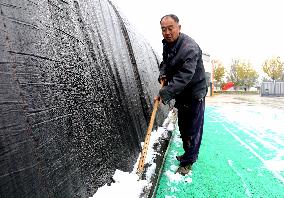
157, 98
162, 78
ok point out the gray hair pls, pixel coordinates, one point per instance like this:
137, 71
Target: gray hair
173, 16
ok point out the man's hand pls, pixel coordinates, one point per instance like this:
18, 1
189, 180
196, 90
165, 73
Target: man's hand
157, 98
162, 78
165, 95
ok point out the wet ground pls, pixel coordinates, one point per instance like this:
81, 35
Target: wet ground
251, 100
242, 151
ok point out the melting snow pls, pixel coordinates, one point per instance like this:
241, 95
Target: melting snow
128, 185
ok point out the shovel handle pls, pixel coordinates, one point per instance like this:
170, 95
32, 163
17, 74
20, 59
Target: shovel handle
148, 135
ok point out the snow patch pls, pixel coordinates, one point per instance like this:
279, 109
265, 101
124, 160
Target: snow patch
128, 185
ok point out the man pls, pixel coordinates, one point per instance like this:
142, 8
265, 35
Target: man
183, 72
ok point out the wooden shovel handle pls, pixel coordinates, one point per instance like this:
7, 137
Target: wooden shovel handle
148, 135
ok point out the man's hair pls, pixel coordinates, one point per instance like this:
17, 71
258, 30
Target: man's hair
173, 16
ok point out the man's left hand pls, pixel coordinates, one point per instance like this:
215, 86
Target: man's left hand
165, 95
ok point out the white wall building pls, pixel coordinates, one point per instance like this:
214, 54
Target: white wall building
209, 72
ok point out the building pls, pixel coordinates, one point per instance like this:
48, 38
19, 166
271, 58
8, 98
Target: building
209, 73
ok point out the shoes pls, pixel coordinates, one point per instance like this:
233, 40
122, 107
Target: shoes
184, 170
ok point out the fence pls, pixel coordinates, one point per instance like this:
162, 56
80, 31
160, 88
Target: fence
275, 88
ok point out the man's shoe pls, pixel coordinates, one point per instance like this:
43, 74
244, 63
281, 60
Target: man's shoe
184, 170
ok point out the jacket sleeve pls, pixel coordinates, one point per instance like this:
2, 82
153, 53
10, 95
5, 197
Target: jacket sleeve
162, 68
185, 72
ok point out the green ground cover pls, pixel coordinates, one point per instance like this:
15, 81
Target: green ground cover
227, 166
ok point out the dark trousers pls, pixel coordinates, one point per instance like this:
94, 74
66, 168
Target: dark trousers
190, 122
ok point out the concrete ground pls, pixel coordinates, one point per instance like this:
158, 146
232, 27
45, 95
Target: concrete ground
252, 100
242, 151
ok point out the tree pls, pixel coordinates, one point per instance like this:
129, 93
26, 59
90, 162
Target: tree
219, 72
242, 74
273, 68
233, 76
250, 76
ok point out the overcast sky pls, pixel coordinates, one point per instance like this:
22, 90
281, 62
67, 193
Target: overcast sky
226, 29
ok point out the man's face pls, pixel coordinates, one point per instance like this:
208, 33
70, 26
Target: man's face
170, 29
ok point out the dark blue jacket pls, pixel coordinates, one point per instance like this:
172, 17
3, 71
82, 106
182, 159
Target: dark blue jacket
184, 70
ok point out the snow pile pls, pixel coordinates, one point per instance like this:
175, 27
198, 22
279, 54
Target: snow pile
176, 177
170, 121
128, 185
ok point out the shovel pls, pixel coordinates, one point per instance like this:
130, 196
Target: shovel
140, 167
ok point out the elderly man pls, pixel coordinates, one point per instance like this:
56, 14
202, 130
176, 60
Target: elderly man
183, 72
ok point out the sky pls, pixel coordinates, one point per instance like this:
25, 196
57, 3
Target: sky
250, 30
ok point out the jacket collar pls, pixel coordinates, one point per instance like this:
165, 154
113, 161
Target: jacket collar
176, 45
